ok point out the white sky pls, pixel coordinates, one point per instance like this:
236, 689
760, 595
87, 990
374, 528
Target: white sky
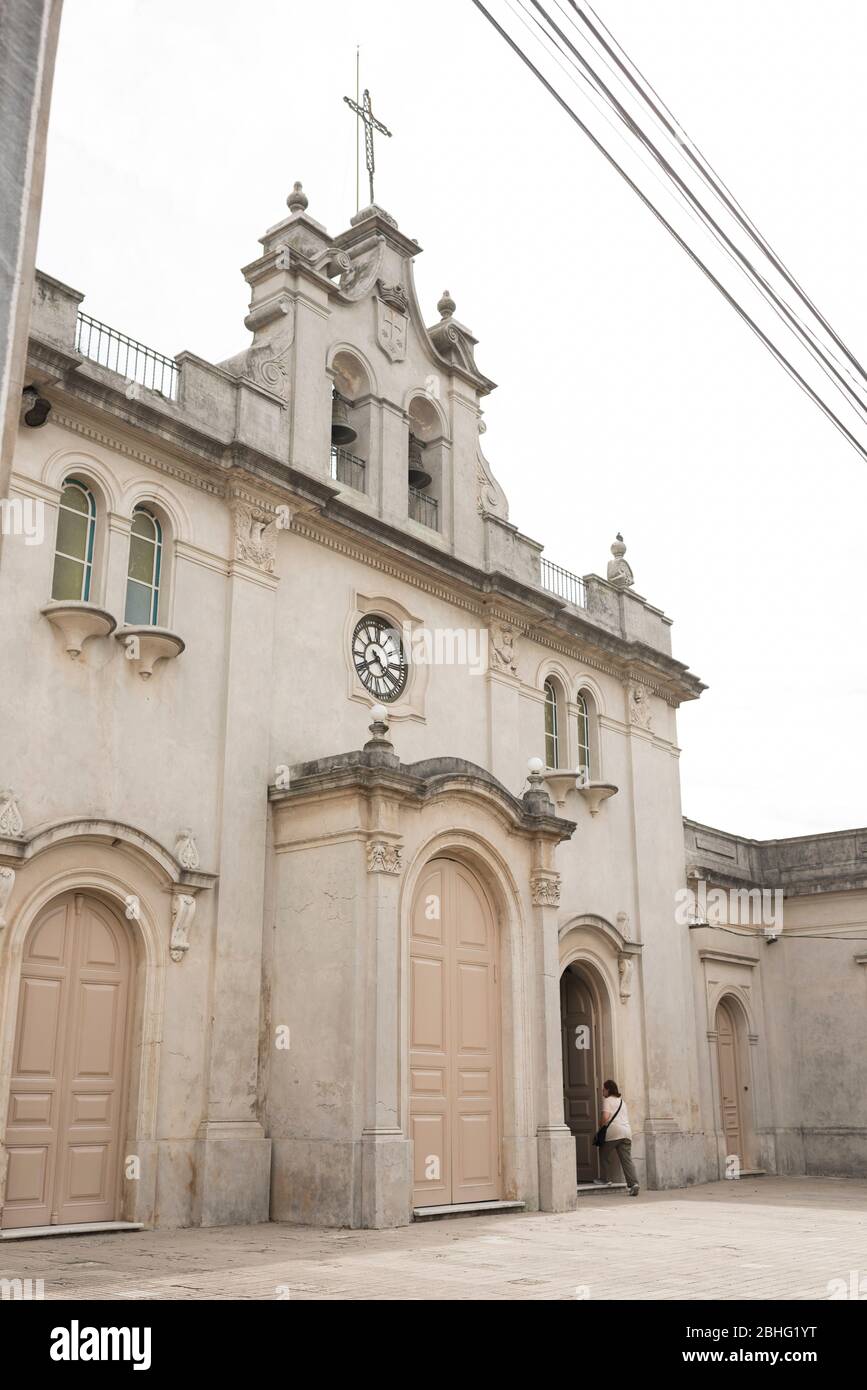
630, 397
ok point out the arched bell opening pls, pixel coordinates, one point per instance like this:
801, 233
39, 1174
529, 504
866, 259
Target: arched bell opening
350, 422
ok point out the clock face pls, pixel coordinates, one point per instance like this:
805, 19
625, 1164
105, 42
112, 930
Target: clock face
379, 658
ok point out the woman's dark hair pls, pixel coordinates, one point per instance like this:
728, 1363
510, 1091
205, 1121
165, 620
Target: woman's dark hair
611, 1087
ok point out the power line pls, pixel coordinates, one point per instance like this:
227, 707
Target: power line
707, 172
730, 299
828, 365
781, 935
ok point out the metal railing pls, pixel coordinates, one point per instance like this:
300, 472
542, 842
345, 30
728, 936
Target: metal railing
127, 357
564, 584
348, 469
424, 509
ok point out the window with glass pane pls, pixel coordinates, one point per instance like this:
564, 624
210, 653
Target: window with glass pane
73, 551
584, 734
143, 574
552, 737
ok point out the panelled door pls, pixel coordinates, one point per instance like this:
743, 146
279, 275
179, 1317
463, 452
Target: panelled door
580, 1082
729, 1082
454, 1039
64, 1123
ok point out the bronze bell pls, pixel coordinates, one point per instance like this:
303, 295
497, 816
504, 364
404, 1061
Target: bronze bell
342, 432
417, 476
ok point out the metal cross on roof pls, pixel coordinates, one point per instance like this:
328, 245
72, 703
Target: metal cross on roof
365, 113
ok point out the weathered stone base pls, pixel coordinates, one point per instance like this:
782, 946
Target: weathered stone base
386, 1181
676, 1159
521, 1171
557, 1181
316, 1182
835, 1153
233, 1175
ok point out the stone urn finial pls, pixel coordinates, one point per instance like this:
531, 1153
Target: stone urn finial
297, 200
536, 798
446, 306
378, 730
619, 570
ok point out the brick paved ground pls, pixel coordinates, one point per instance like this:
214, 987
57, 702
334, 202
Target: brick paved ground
765, 1238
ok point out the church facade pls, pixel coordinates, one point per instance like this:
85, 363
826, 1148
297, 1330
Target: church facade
342, 854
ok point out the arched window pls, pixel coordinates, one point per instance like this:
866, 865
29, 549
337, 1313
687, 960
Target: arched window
143, 572
73, 551
552, 726
584, 754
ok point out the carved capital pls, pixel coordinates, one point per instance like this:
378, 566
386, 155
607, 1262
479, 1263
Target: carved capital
545, 888
504, 648
255, 536
383, 857
639, 706
7, 883
183, 912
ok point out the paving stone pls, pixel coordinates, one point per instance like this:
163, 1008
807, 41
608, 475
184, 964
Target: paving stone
768, 1238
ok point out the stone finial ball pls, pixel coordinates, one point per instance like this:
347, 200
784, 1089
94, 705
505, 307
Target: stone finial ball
446, 306
297, 200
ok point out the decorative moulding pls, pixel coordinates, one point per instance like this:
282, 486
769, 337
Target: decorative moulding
148, 645
77, 622
594, 793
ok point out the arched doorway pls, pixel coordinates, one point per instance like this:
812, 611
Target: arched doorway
454, 1039
581, 1082
67, 1087
730, 1080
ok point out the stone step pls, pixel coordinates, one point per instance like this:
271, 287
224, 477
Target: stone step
82, 1228
464, 1209
586, 1189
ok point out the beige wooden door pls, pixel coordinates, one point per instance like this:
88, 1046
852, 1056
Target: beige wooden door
729, 1080
454, 1039
580, 1082
67, 1088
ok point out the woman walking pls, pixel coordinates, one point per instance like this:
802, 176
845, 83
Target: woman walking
618, 1135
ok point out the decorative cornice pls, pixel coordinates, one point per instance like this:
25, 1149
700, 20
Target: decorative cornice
15, 852
721, 957
120, 446
376, 772
234, 459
